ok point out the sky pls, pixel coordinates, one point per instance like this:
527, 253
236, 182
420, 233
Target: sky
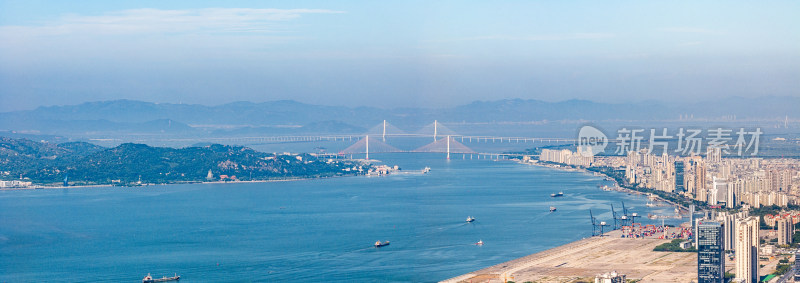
395, 53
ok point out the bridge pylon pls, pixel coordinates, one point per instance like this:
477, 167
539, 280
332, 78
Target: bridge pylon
435, 129
367, 146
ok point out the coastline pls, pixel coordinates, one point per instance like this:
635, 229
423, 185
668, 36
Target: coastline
581, 260
546, 260
169, 184
619, 188
53, 187
40, 187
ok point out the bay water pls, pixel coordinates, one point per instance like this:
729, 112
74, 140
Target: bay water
307, 230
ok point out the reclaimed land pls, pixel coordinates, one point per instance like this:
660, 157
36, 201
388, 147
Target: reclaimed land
582, 260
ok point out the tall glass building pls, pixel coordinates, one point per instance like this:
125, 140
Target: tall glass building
797, 265
710, 252
679, 182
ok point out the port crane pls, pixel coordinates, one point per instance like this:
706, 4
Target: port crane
627, 214
597, 226
617, 219
624, 218
633, 217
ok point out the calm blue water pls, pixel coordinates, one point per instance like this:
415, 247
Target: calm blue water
310, 230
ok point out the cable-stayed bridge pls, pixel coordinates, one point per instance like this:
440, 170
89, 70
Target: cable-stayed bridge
443, 140
385, 130
355, 137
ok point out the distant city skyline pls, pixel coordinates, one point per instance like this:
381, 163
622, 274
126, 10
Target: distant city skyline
394, 54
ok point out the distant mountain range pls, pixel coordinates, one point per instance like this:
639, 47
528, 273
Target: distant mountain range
291, 117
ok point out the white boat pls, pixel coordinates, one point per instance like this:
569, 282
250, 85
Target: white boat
479, 243
470, 218
552, 208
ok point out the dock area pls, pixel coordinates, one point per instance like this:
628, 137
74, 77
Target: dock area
584, 259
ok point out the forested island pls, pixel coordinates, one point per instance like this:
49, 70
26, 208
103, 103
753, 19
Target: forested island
81, 163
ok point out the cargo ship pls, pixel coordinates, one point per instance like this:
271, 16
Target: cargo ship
559, 194
379, 244
150, 279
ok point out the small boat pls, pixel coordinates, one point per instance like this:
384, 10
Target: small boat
552, 208
426, 170
479, 243
379, 244
559, 194
470, 218
150, 279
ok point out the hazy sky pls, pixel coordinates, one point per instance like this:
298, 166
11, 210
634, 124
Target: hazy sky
395, 53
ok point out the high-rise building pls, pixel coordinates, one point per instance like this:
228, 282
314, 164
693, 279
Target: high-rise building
699, 175
713, 196
692, 217
695, 223
702, 195
728, 221
718, 187
714, 154
732, 196
797, 266
785, 230
747, 250
680, 186
710, 252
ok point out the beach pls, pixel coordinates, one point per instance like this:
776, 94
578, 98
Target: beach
584, 259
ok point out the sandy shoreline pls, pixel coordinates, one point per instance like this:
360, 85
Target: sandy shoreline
573, 256
581, 260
